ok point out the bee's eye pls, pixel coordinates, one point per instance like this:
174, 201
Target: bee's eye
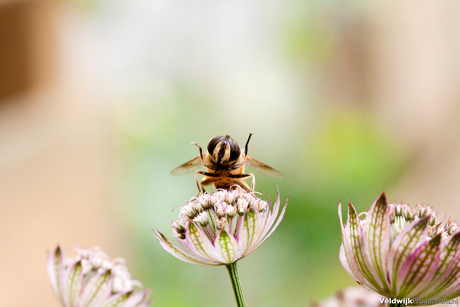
213, 143
235, 150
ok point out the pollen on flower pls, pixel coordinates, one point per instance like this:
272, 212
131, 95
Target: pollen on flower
261, 205
220, 223
231, 211
242, 205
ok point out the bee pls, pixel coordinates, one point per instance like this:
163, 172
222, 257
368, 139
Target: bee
224, 163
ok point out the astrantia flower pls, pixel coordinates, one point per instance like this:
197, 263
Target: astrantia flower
401, 252
222, 228
352, 297
93, 279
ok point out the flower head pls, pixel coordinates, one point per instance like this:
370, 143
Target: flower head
93, 279
223, 227
401, 252
352, 297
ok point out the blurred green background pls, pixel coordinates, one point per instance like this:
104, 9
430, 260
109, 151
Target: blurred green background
347, 99
333, 157
326, 153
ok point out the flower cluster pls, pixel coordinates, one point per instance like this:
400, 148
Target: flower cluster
223, 227
92, 278
401, 252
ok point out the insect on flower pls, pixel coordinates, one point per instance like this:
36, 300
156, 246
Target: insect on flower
224, 163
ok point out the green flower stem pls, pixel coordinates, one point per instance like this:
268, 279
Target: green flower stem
233, 272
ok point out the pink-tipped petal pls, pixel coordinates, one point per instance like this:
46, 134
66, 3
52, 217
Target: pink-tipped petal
117, 300
344, 261
138, 299
199, 243
248, 230
98, 289
73, 283
178, 253
348, 251
273, 214
377, 239
55, 269
420, 267
357, 248
448, 269
403, 246
272, 229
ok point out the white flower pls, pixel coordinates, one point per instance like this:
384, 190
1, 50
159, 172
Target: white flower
225, 227
93, 279
401, 252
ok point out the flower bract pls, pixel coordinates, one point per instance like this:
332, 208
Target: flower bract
93, 279
223, 227
401, 252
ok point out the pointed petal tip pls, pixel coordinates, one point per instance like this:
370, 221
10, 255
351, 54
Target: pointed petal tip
158, 235
284, 208
57, 251
382, 197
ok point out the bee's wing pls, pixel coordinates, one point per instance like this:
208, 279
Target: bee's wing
263, 168
187, 167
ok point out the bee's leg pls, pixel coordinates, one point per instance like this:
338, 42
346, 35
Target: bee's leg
244, 176
200, 186
246, 146
253, 182
197, 183
201, 151
206, 182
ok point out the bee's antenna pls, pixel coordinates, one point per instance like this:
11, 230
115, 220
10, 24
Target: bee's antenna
246, 146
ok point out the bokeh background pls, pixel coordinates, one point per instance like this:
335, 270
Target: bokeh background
100, 100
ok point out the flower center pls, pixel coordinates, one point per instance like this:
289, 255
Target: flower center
402, 215
220, 211
94, 261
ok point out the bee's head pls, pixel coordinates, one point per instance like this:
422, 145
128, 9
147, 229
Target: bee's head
223, 149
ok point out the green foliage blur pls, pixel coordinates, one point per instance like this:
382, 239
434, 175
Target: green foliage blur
339, 157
